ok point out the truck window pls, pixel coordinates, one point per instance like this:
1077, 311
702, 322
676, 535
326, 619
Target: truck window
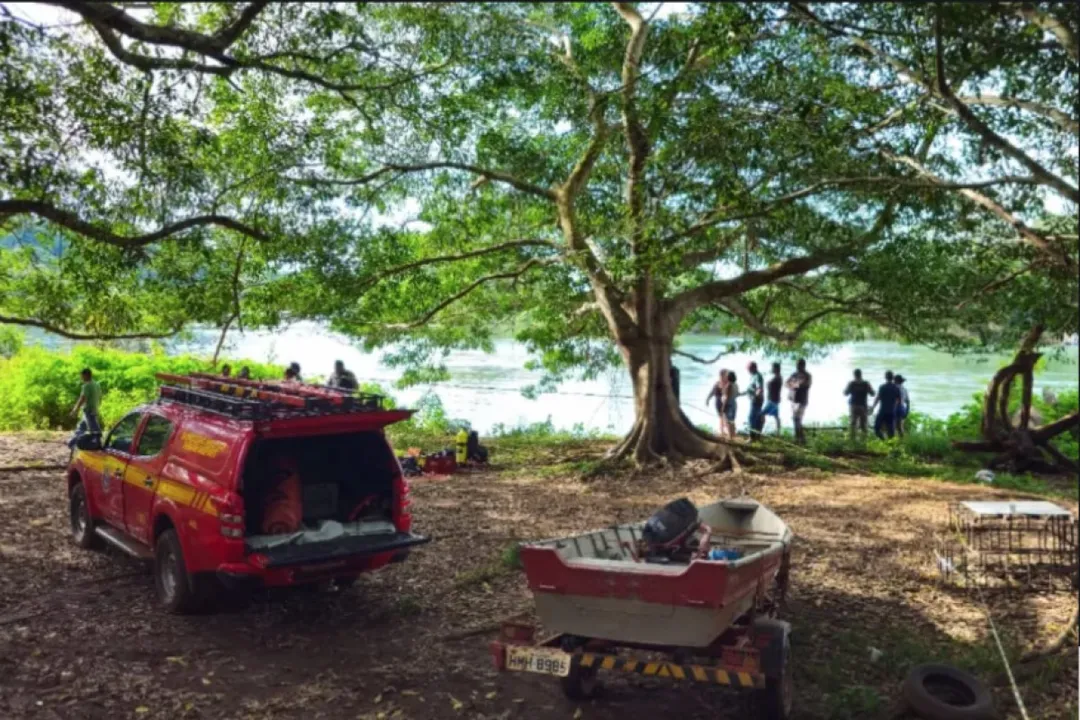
154, 436
123, 433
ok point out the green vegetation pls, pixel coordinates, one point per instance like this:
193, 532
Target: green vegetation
597, 179
38, 387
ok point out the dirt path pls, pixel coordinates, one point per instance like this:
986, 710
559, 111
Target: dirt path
83, 640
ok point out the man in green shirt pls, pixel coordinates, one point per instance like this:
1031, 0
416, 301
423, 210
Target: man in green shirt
90, 402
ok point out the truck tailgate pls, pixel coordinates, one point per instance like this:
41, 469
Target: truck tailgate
338, 548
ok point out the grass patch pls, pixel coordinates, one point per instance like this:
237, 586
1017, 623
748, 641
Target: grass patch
508, 562
479, 576
855, 701
407, 606
511, 557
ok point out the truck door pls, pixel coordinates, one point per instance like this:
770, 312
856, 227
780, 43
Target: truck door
141, 476
117, 451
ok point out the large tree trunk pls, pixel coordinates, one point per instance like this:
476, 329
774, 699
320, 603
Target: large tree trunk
661, 431
1020, 448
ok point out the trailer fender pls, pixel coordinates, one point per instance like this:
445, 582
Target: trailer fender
771, 636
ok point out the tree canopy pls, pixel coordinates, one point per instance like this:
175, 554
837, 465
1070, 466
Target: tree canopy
595, 178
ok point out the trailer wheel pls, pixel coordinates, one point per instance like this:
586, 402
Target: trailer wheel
581, 683
775, 702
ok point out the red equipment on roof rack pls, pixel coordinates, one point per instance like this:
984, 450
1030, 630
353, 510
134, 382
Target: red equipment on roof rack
257, 400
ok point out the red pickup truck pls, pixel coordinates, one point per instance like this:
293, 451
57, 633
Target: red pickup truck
189, 482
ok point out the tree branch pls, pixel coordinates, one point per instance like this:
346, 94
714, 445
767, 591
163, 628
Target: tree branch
71, 221
1028, 234
691, 260
110, 22
736, 308
1060, 118
1052, 25
636, 140
683, 303
210, 45
229, 34
399, 269
1052, 430
494, 175
57, 330
427, 316
690, 356
985, 131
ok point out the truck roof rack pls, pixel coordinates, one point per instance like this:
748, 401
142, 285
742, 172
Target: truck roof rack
260, 400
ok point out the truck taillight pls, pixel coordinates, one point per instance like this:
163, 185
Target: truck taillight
230, 515
402, 517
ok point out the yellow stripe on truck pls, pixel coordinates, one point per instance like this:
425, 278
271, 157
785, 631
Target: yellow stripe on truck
176, 492
673, 671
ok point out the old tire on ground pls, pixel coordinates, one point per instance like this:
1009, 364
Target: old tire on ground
942, 692
777, 699
82, 525
177, 591
581, 683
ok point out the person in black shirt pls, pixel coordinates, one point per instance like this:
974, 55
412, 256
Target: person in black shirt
773, 389
887, 400
857, 391
799, 386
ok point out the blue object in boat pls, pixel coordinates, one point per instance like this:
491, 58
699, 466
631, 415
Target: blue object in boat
719, 554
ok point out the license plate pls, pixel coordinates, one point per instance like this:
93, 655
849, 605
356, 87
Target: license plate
548, 661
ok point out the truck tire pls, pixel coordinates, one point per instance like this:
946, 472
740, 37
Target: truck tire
776, 700
82, 525
581, 683
177, 591
942, 692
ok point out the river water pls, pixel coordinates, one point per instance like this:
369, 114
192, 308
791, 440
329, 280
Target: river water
486, 388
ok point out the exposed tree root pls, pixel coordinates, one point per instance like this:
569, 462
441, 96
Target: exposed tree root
1020, 448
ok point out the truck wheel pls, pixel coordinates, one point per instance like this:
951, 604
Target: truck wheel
942, 692
177, 592
775, 702
581, 683
82, 525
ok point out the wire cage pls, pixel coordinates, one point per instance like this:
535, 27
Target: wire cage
1026, 545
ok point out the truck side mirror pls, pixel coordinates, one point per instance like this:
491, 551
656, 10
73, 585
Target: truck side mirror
89, 441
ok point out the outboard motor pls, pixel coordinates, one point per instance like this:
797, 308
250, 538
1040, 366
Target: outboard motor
669, 530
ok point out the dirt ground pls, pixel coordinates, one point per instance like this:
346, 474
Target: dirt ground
80, 636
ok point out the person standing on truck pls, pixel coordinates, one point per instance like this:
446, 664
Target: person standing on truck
245, 373
342, 378
772, 397
858, 391
226, 371
292, 373
90, 402
799, 394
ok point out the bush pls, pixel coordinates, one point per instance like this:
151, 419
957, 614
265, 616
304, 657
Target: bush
38, 387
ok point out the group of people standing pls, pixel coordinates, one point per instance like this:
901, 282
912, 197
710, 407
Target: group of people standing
891, 401
764, 398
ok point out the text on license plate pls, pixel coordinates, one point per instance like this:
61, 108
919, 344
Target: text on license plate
538, 660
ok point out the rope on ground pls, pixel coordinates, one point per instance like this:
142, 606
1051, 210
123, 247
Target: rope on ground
1004, 658
997, 638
